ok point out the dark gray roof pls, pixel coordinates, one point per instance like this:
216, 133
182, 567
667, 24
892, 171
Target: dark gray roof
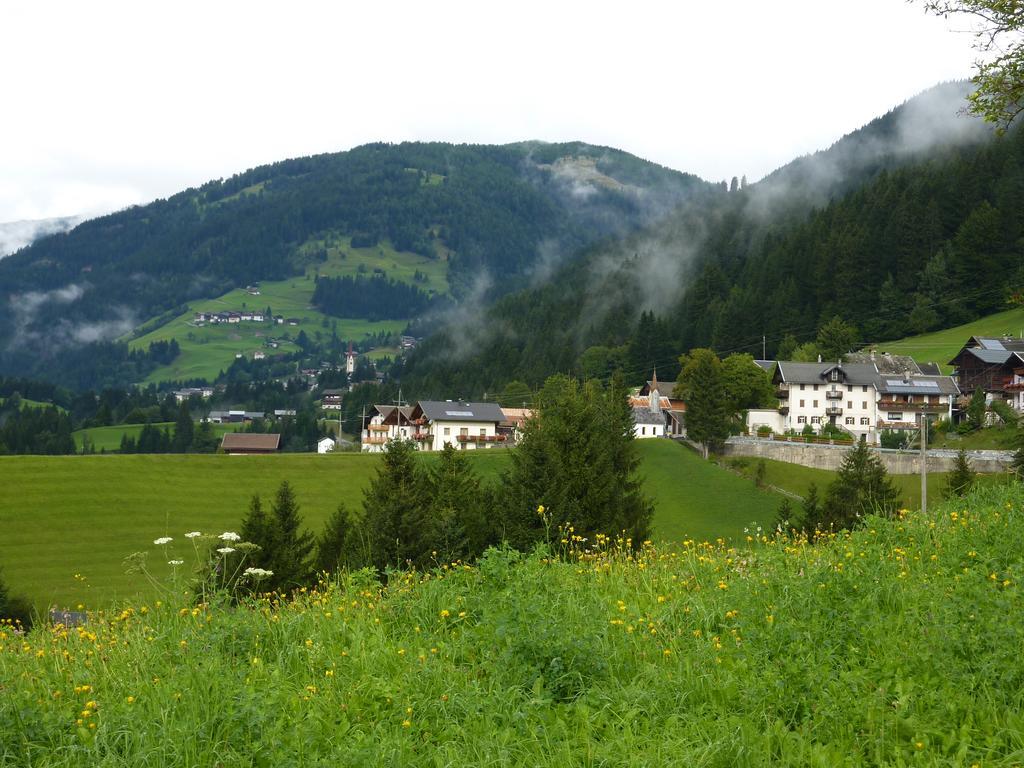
991, 356
644, 416
1007, 343
931, 369
768, 365
885, 362
814, 373
454, 410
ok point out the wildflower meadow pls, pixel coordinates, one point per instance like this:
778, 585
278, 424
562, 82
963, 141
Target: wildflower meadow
896, 644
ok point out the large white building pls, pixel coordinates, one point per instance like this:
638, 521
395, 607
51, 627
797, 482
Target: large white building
432, 424
858, 397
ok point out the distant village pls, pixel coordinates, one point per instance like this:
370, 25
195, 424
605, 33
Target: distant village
864, 395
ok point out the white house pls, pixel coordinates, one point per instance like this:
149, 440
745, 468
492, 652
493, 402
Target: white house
467, 426
655, 414
384, 423
858, 398
325, 445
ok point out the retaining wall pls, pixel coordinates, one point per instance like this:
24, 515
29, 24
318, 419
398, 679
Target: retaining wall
896, 462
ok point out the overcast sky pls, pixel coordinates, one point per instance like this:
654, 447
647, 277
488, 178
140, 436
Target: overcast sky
107, 104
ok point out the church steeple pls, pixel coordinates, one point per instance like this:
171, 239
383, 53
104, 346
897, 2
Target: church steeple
654, 397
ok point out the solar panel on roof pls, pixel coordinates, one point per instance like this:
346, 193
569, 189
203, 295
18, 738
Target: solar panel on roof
458, 413
913, 383
994, 344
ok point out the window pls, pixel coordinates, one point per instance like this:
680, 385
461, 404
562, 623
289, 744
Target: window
801, 419
849, 387
643, 430
815, 419
483, 432
801, 387
849, 420
865, 421
815, 387
864, 388
895, 417
464, 431
447, 431
815, 403
801, 403
835, 375
849, 404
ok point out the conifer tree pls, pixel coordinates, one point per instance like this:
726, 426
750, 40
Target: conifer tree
334, 547
457, 528
862, 487
290, 547
811, 510
184, 430
256, 529
962, 478
701, 386
393, 506
1017, 462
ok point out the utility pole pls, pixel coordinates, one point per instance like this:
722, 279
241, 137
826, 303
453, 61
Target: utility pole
924, 462
764, 353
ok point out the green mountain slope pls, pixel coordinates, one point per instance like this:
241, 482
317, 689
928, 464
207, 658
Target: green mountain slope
481, 211
910, 222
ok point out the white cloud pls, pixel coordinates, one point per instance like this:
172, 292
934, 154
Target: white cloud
122, 102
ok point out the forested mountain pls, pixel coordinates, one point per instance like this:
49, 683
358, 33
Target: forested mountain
497, 214
911, 223
15, 235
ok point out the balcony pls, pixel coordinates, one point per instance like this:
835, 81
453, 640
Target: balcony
902, 405
378, 427
834, 395
784, 410
375, 440
481, 438
833, 410
782, 394
422, 436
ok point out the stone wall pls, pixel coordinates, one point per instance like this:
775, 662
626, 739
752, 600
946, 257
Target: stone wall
831, 456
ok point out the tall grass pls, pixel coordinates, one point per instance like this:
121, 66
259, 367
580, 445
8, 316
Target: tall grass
897, 644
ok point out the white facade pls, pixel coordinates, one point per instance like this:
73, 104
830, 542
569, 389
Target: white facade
325, 445
433, 424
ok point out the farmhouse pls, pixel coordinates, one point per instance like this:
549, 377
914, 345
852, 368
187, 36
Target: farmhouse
331, 398
241, 444
652, 399
991, 365
857, 397
432, 424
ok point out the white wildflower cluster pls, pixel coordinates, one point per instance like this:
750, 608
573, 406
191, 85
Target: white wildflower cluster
229, 536
193, 535
163, 540
258, 573
226, 550
175, 562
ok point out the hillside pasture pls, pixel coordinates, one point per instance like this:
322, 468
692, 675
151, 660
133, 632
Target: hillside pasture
941, 346
109, 438
67, 515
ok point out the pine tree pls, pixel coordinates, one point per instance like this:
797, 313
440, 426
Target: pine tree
256, 529
862, 487
977, 409
394, 507
290, 547
700, 385
836, 338
457, 528
784, 515
184, 429
335, 546
811, 521
962, 478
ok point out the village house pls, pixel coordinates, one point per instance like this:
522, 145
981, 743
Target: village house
432, 424
325, 445
653, 400
515, 421
384, 423
330, 399
857, 397
180, 395
991, 365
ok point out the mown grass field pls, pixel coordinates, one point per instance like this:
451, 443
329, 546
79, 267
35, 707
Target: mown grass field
67, 515
896, 644
941, 346
209, 349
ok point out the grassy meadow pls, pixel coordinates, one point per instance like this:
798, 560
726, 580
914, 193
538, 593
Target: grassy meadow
67, 515
890, 645
207, 350
941, 346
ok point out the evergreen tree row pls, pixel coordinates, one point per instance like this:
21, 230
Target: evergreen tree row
372, 298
